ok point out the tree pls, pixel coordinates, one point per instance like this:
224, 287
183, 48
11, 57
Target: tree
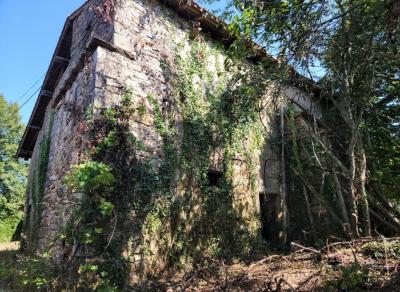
13, 172
350, 49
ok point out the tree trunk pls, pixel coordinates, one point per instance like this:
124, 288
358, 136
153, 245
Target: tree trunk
341, 201
388, 215
384, 222
310, 215
362, 189
283, 179
352, 186
318, 196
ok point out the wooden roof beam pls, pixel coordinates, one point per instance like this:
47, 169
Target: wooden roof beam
61, 60
35, 127
46, 93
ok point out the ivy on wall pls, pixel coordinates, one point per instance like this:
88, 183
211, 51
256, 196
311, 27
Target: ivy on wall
168, 201
217, 116
38, 183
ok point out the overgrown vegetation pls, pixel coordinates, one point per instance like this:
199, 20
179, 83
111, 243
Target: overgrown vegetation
349, 51
25, 273
336, 266
120, 196
351, 277
382, 249
131, 209
36, 191
219, 118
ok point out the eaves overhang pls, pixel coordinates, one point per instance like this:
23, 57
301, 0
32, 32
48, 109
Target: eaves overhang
58, 64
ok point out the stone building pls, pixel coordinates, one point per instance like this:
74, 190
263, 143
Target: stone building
106, 47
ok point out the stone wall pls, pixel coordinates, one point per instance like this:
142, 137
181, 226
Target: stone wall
155, 35
36, 185
47, 204
143, 36
90, 21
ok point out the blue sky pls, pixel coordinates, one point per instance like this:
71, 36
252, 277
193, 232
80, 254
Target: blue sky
29, 31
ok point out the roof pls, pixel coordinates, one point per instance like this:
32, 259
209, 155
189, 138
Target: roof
188, 9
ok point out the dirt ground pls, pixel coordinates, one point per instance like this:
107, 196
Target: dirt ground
361, 265
9, 246
340, 266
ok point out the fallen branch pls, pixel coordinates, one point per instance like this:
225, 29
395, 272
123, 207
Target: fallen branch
300, 248
307, 280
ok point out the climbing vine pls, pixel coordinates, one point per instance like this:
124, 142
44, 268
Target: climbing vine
217, 116
169, 200
39, 178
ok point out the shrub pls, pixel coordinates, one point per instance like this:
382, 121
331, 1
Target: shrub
90, 177
379, 250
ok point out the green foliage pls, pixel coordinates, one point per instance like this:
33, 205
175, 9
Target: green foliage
96, 183
117, 184
91, 223
106, 182
26, 273
350, 50
42, 168
383, 148
218, 115
382, 249
105, 207
90, 178
39, 176
35, 272
8, 227
13, 172
351, 277
94, 280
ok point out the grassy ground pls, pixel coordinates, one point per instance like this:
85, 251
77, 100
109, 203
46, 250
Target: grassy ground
8, 252
19, 272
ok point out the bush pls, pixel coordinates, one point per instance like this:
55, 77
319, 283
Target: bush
90, 178
380, 250
8, 227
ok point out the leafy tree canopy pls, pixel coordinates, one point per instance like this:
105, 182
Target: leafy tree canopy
13, 172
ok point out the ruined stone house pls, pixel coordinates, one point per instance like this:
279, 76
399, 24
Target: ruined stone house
103, 50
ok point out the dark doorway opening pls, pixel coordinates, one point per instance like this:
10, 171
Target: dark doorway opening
269, 211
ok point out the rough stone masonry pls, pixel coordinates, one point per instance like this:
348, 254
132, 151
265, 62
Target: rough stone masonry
101, 52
